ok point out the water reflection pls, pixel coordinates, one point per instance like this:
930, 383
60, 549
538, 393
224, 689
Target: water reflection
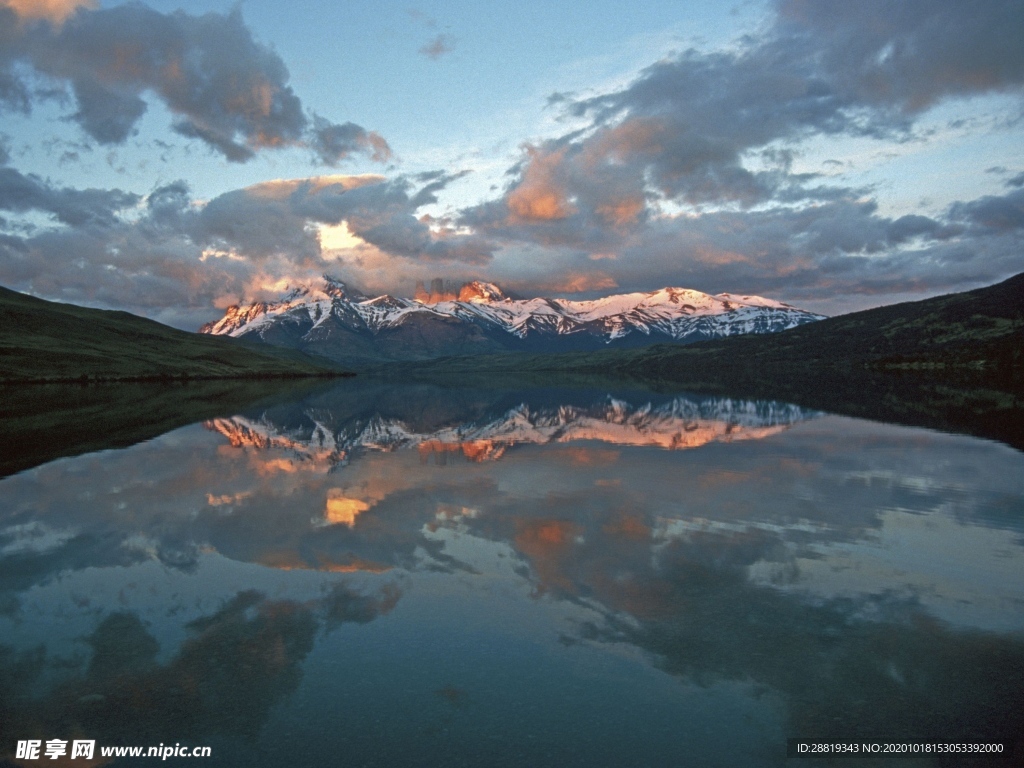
542, 559
320, 435
235, 665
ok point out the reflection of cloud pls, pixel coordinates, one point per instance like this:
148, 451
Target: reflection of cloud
583, 456
53, 10
236, 665
874, 666
698, 558
547, 544
227, 498
341, 509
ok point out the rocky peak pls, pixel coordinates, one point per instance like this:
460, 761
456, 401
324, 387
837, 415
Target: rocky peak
479, 291
338, 289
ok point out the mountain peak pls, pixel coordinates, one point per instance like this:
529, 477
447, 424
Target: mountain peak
475, 292
478, 291
325, 288
752, 301
339, 289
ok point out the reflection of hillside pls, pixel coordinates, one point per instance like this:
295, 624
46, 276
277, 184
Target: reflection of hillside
680, 423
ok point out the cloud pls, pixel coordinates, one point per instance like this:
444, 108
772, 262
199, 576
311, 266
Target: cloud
685, 127
438, 47
835, 250
171, 257
222, 86
572, 282
51, 10
77, 208
275, 217
684, 176
993, 212
540, 195
333, 143
707, 132
910, 55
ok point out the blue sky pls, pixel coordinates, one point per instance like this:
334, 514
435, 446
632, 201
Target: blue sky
172, 158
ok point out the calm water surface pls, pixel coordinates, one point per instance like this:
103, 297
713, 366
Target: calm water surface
418, 576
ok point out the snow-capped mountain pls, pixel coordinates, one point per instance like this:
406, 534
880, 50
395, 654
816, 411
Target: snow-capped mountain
329, 318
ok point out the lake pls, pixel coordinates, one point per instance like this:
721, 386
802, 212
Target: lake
381, 575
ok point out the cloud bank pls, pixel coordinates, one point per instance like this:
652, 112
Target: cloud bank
683, 176
170, 256
223, 87
686, 173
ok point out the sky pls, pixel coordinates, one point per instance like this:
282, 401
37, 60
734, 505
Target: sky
174, 158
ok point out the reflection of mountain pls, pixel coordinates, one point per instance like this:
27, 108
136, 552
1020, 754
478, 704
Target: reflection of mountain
677, 423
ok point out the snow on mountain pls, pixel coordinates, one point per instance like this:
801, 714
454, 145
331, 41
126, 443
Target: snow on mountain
668, 314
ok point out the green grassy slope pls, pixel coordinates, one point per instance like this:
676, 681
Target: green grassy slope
47, 341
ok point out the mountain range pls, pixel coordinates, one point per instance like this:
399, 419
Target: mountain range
330, 319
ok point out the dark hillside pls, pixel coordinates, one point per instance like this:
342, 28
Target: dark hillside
48, 341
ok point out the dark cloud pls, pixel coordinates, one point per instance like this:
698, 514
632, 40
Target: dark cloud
438, 47
333, 143
106, 115
224, 87
1001, 213
169, 205
148, 263
14, 94
911, 226
383, 215
77, 208
910, 55
232, 151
